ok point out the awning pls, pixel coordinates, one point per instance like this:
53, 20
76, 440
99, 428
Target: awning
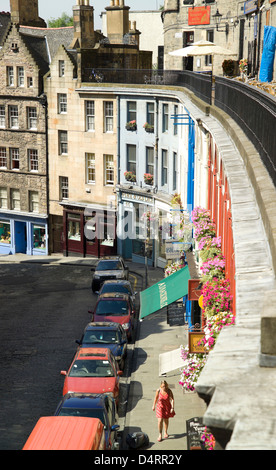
164, 292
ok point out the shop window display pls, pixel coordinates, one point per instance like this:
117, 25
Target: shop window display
5, 232
39, 240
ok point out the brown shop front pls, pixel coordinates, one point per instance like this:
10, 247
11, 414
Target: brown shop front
89, 232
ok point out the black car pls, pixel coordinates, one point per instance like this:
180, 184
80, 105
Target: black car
118, 286
92, 405
111, 267
109, 335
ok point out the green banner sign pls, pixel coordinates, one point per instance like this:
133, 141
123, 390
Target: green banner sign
164, 292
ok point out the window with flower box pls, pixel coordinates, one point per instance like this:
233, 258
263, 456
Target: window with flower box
150, 160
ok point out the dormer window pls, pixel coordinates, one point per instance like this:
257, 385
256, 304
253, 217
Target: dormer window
14, 47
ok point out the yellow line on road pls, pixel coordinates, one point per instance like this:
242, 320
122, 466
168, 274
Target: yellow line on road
135, 280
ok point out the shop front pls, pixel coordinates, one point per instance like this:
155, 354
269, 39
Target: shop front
20, 234
89, 231
135, 226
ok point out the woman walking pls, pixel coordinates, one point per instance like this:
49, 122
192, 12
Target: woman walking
165, 408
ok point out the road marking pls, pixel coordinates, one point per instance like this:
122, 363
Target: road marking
135, 280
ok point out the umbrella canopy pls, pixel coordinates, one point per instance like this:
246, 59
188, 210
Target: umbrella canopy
202, 48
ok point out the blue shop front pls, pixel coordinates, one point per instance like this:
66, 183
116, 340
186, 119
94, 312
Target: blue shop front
26, 234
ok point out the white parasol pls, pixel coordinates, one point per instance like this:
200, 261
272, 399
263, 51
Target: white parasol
202, 48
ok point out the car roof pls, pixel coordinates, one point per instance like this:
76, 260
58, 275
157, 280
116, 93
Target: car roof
116, 281
103, 324
114, 296
93, 353
84, 400
110, 258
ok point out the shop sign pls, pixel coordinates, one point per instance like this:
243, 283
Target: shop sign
250, 6
199, 16
194, 338
137, 198
194, 289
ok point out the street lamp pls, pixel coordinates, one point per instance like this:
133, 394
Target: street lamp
217, 17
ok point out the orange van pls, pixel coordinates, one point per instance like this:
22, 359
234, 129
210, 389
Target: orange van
66, 433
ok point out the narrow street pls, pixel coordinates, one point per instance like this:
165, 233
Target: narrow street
44, 309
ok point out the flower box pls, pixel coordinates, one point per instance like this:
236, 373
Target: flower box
148, 179
148, 127
131, 126
129, 176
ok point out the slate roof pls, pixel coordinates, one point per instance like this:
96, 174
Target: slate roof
5, 21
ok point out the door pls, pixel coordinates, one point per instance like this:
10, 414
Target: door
20, 237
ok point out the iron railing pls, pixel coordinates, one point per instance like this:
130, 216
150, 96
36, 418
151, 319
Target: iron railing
199, 83
252, 109
255, 112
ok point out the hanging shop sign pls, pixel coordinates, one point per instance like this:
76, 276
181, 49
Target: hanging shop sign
199, 15
194, 289
250, 6
195, 339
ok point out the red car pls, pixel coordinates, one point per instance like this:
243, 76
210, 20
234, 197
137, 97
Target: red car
93, 370
115, 307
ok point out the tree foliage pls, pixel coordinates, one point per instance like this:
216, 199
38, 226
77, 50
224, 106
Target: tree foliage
63, 20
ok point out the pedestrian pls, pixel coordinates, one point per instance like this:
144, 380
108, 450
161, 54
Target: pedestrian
164, 402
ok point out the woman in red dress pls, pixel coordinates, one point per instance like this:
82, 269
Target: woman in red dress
164, 409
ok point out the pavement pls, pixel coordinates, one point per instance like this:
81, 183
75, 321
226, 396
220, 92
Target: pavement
154, 337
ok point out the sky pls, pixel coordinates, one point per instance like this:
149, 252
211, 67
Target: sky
54, 8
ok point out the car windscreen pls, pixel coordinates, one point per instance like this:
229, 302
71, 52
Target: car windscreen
91, 368
112, 307
108, 265
104, 336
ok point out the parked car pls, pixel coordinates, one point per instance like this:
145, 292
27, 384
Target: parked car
91, 405
66, 433
109, 335
118, 286
93, 370
111, 267
117, 308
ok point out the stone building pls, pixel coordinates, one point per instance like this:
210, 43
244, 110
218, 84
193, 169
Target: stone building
23, 138
235, 25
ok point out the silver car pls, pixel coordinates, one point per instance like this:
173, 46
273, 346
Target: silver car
111, 267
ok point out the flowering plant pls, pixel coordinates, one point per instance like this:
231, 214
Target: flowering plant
214, 326
213, 268
130, 176
131, 125
172, 268
210, 247
216, 297
208, 440
194, 364
148, 178
148, 126
243, 64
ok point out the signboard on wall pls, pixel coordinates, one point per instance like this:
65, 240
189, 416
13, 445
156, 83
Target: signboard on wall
199, 15
250, 6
